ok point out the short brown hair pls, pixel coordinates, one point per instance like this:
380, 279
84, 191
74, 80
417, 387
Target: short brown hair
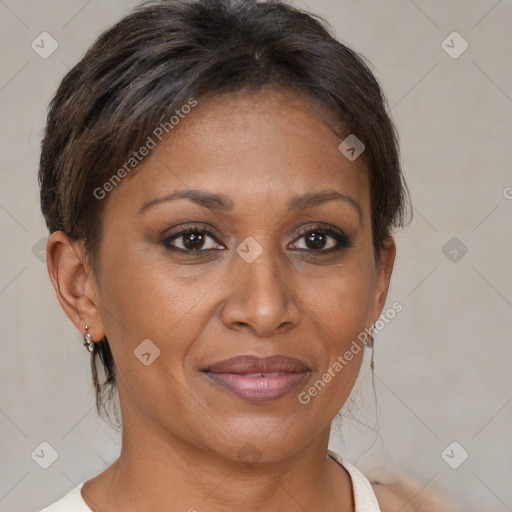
152, 61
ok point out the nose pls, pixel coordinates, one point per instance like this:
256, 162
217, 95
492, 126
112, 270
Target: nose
261, 298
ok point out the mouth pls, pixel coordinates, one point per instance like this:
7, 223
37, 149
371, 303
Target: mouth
258, 379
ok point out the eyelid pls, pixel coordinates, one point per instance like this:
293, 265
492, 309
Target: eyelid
322, 227
183, 229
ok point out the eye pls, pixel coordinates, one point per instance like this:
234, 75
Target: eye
322, 239
192, 239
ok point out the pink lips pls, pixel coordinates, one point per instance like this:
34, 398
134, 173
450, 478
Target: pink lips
258, 379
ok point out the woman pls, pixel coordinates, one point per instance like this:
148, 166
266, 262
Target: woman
221, 179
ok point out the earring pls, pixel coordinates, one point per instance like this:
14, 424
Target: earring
87, 340
369, 345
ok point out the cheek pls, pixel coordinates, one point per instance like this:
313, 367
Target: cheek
144, 299
340, 307
341, 311
343, 298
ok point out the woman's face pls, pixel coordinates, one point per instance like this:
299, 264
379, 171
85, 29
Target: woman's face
246, 280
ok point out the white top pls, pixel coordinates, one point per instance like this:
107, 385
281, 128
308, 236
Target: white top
364, 497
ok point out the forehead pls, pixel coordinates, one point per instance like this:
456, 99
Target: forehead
251, 146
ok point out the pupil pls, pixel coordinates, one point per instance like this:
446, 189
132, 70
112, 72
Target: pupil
316, 239
192, 239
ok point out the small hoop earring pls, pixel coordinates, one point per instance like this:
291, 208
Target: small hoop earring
87, 340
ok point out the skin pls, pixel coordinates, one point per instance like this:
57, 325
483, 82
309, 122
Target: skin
181, 433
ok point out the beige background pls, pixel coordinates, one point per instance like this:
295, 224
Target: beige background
442, 365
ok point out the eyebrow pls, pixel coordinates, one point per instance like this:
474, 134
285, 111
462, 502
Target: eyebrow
221, 202
299, 203
206, 199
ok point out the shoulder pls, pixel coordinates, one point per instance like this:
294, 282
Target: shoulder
71, 502
408, 494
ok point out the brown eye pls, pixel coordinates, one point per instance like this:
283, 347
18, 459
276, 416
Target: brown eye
322, 240
317, 240
192, 239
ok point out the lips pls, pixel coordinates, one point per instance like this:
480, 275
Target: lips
258, 379
253, 364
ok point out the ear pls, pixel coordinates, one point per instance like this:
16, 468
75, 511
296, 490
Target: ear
383, 270
74, 283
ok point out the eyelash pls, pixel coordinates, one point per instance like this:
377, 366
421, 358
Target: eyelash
342, 239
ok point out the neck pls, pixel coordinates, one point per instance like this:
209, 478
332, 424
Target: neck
155, 472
